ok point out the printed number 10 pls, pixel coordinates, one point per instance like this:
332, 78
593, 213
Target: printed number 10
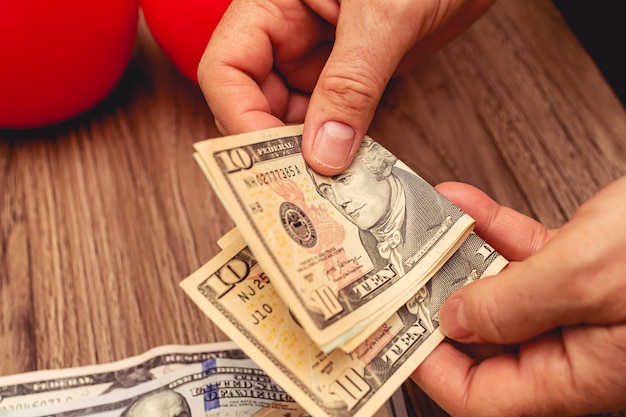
235, 159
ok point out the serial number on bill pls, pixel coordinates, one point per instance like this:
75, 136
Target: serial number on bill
267, 177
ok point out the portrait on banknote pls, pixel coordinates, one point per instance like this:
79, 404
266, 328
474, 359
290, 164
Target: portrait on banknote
397, 212
162, 403
399, 217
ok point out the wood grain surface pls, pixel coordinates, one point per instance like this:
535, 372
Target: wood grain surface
103, 216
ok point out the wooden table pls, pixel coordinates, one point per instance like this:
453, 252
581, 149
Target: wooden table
101, 217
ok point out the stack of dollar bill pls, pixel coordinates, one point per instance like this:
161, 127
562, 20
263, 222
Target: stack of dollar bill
332, 284
208, 380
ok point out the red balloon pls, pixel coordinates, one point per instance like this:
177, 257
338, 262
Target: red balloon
59, 58
182, 28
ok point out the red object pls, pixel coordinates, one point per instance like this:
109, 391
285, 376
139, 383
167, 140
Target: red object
59, 58
182, 28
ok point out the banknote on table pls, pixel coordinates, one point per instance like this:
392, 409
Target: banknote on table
48, 387
218, 387
210, 380
52, 387
343, 251
240, 298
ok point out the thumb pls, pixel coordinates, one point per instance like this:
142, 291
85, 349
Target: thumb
370, 41
575, 276
559, 278
505, 309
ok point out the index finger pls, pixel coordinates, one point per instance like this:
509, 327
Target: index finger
513, 234
236, 61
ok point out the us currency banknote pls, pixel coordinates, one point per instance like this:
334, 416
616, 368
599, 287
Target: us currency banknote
216, 380
52, 387
343, 251
218, 387
234, 291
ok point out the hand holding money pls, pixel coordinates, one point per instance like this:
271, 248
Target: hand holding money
334, 284
343, 250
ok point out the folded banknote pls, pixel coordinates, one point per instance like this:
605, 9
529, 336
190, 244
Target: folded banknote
342, 251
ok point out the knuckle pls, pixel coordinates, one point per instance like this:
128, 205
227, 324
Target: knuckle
489, 319
397, 10
352, 91
433, 17
202, 72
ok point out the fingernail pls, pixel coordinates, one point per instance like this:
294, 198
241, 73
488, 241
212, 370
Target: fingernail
453, 320
332, 144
